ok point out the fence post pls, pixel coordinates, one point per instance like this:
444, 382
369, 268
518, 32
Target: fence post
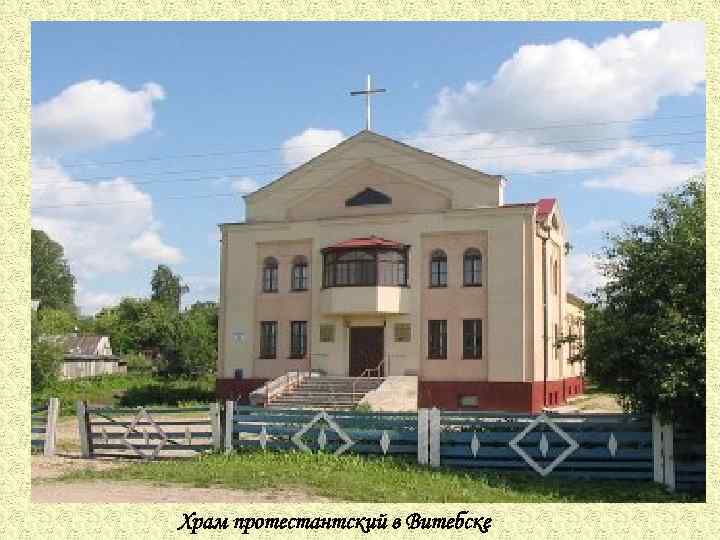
422, 436
84, 429
434, 429
658, 465
51, 428
663, 453
229, 414
668, 451
215, 425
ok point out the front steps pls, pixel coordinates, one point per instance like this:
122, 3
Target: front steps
326, 392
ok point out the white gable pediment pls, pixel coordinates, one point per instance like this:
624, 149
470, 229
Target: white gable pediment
368, 160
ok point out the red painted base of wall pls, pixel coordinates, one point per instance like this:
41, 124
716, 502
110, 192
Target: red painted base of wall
237, 389
499, 396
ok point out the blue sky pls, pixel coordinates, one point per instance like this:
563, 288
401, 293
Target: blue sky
115, 104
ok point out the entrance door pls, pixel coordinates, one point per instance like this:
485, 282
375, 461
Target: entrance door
366, 349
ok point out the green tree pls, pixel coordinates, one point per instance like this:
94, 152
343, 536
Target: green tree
52, 321
197, 340
136, 324
51, 280
167, 287
645, 334
45, 359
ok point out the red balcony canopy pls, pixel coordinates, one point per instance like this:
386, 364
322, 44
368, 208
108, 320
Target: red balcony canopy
365, 242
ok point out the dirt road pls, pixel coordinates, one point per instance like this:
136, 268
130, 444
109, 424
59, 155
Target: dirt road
101, 491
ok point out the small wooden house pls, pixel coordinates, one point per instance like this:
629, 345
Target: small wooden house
89, 356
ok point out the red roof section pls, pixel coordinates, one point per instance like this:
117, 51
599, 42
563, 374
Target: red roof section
544, 207
366, 242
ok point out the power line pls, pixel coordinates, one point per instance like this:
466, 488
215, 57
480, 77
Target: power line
227, 170
436, 136
326, 188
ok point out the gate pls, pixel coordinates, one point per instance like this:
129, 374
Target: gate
148, 433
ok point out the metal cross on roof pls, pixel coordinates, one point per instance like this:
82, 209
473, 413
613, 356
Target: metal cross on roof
369, 91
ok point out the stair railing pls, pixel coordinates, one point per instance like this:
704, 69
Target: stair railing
377, 369
287, 387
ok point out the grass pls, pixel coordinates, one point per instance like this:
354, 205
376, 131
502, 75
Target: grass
375, 479
129, 390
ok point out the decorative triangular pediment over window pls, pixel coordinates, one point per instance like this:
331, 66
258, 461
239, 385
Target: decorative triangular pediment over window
368, 196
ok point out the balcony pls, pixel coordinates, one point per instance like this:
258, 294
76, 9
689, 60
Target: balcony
372, 300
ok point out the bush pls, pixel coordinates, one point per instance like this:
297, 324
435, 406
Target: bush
137, 363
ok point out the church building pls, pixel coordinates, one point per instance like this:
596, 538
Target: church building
378, 257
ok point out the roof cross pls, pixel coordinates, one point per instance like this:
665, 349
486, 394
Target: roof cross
369, 91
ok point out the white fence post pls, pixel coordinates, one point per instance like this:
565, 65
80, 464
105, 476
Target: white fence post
229, 414
668, 451
658, 465
663, 453
83, 429
434, 428
215, 425
422, 436
51, 427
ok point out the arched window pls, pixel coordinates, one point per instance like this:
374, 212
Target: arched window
472, 268
270, 275
438, 268
299, 280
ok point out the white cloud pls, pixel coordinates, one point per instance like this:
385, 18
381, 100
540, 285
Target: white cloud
308, 144
149, 246
91, 302
203, 287
599, 226
244, 185
583, 274
565, 84
662, 175
98, 238
91, 114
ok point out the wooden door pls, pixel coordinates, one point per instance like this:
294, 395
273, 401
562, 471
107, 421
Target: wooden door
366, 349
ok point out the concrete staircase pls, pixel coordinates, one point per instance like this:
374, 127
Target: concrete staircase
326, 392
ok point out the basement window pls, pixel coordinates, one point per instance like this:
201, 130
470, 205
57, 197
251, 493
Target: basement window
469, 401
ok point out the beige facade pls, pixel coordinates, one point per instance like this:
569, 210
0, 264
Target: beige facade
425, 204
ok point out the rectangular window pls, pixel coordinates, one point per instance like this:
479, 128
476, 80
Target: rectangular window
555, 342
438, 273
298, 339
437, 339
472, 338
327, 333
268, 339
469, 401
300, 277
402, 332
270, 279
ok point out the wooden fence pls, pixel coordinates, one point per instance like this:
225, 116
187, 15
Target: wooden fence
43, 427
335, 431
148, 433
592, 446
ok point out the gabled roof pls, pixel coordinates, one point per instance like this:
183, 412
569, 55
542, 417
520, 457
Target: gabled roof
545, 207
78, 345
365, 242
575, 300
366, 134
